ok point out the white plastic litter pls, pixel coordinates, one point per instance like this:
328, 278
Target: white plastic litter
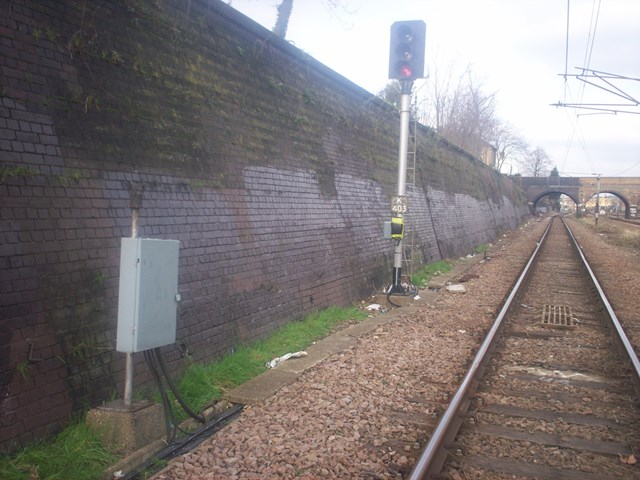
417, 297
374, 307
281, 359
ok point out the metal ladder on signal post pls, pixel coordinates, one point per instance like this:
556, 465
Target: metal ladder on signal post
408, 242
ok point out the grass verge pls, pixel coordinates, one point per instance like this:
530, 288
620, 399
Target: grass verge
422, 276
202, 383
615, 233
76, 453
482, 248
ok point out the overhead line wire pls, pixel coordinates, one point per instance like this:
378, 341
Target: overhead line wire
566, 52
595, 29
595, 12
566, 85
625, 171
595, 16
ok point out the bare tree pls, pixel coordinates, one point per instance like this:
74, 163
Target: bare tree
439, 98
282, 22
460, 111
536, 163
284, 14
508, 143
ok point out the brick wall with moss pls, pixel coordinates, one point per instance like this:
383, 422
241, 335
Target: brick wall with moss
273, 172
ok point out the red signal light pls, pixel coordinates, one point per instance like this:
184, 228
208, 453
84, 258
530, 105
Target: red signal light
405, 71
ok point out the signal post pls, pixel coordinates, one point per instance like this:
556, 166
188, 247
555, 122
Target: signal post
406, 63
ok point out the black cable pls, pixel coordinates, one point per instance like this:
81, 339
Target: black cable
185, 445
404, 292
169, 417
199, 417
389, 297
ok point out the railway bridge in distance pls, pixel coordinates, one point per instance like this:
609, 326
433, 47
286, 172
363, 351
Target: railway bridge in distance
582, 189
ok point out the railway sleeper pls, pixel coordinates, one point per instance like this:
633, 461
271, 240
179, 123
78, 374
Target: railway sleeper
521, 469
552, 440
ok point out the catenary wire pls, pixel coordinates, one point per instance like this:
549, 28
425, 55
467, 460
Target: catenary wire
595, 15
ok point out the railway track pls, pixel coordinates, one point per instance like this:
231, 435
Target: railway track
553, 390
635, 223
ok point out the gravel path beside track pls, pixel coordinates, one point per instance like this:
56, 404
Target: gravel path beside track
365, 413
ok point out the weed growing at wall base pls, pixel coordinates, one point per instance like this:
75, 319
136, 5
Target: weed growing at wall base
482, 248
76, 453
203, 383
422, 277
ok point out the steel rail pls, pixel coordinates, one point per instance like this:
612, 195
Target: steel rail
426, 465
615, 323
626, 221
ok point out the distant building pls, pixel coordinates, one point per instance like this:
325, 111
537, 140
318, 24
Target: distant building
607, 203
567, 205
488, 155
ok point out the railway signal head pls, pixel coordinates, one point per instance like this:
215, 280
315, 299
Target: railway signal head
406, 51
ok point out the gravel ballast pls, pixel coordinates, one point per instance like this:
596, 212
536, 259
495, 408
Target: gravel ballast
366, 412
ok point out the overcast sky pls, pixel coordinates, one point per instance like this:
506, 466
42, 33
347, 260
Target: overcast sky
516, 47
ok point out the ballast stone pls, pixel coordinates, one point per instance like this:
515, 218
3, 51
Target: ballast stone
456, 288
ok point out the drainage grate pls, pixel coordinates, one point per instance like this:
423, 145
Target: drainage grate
558, 316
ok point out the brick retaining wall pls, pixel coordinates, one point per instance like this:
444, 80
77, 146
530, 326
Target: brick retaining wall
273, 172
